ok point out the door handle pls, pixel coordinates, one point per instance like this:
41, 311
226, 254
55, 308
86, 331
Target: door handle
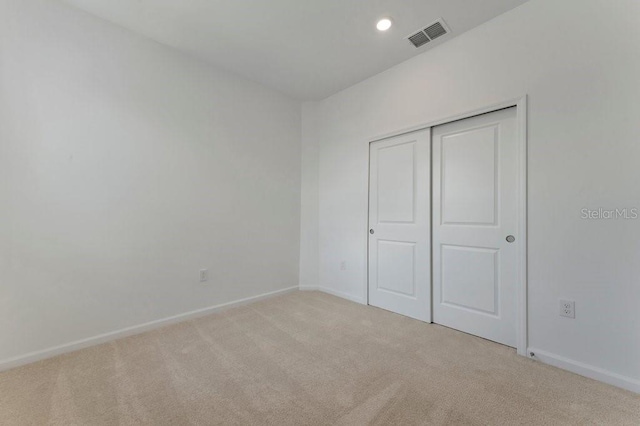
371, 231
510, 238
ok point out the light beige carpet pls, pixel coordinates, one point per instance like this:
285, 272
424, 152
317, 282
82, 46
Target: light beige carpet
305, 358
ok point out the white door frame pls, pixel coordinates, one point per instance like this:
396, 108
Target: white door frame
521, 113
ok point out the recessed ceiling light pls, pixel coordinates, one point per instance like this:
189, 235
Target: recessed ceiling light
384, 24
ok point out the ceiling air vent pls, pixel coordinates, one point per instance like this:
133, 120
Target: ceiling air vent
418, 39
431, 32
435, 30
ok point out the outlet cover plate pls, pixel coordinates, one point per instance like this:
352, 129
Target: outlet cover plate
567, 308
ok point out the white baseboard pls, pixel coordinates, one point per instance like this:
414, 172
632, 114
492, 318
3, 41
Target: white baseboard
586, 370
337, 293
129, 331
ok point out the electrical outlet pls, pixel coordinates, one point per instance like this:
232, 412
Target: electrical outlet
567, 308
204, 275
343, 265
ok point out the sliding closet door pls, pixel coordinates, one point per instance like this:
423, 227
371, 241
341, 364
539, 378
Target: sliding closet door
399, 225
475, 224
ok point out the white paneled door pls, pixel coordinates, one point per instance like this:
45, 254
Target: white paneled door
399, 225
475, 224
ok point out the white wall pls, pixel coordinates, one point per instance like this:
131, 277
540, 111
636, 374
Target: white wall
309, 202
579, 62
125, 167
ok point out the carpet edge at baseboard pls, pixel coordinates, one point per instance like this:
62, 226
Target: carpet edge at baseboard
586, 370
40, 355
336, 293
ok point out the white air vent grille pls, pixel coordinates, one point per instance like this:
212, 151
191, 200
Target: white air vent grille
418, 39
431, 32
436, 30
